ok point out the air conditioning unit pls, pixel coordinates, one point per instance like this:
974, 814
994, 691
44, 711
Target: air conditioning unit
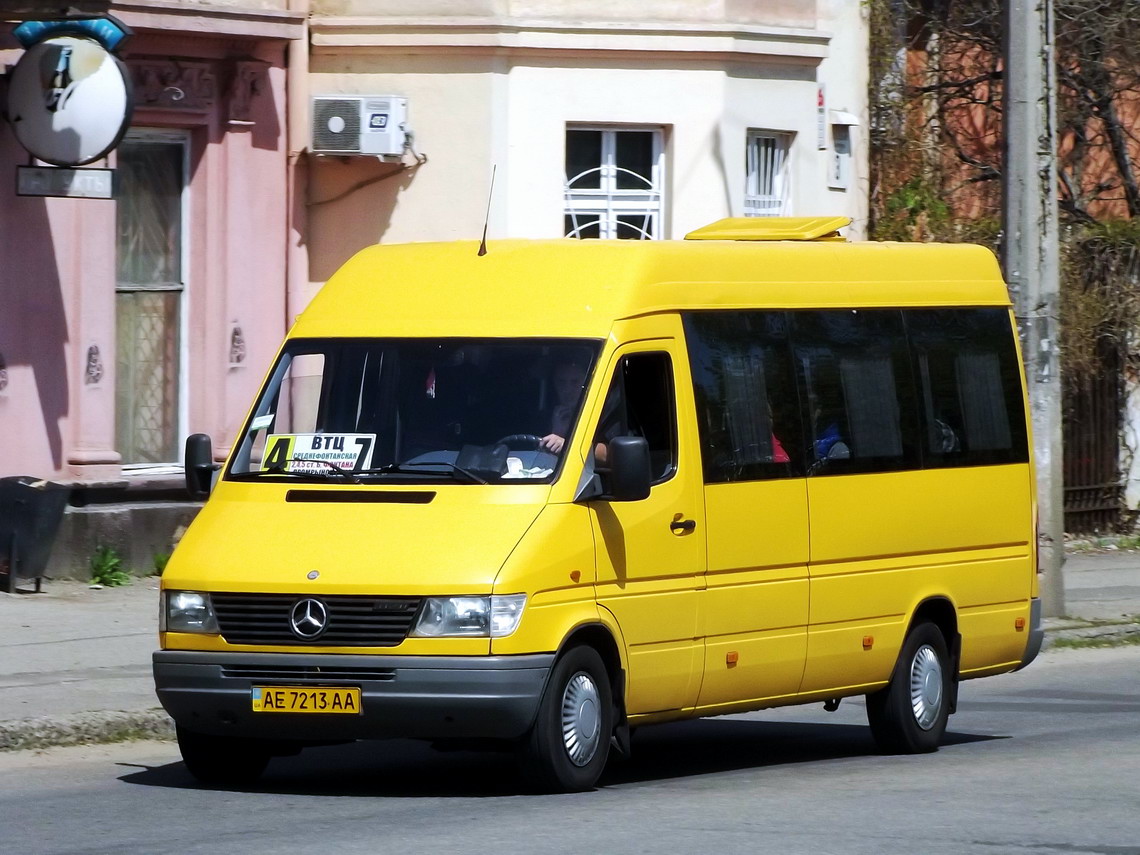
359, 124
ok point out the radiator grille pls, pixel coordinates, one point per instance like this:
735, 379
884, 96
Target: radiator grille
352, 621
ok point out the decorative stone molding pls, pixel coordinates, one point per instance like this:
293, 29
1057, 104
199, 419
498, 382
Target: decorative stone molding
174, 85
428, 34
93, 372
237, 345
213, 19
249, 79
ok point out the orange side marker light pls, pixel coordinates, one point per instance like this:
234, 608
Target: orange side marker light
868, 642
1019, 624
731, 658
575, 575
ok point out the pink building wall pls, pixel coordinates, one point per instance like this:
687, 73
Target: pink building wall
57, 280
226, 89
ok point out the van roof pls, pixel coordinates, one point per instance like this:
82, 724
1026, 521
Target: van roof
569, 287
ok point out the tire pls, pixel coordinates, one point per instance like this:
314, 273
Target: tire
909, 716
222, 760
567, 748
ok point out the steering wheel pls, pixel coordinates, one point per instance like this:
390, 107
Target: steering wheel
516, 439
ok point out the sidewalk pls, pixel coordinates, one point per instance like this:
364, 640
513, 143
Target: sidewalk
75, 662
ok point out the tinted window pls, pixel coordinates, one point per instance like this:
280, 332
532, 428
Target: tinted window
854, 375
640, 403
747, 409
969, 386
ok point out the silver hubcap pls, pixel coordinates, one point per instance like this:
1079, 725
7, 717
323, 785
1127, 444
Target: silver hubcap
581, 719
926, 687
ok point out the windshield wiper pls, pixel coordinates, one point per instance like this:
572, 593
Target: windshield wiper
407, 468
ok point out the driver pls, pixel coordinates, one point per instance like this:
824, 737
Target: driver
568, 379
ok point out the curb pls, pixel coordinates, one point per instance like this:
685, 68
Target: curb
85, 729
1107, 634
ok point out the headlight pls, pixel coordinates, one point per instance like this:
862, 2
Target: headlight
188, 611
479, 617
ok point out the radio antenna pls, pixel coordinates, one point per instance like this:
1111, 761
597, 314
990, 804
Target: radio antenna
486, 219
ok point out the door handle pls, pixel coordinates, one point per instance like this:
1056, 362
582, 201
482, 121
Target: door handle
682, 526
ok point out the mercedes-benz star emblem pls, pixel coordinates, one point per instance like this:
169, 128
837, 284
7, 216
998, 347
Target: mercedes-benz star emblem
308, 619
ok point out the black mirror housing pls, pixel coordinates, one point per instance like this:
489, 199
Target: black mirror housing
630, 472
199, 465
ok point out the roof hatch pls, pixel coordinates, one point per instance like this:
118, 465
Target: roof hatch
772, 228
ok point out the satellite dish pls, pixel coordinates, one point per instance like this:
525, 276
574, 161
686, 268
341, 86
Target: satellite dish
69, 100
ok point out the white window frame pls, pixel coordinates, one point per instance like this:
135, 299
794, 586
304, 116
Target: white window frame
767, 173
604, 204
181, 137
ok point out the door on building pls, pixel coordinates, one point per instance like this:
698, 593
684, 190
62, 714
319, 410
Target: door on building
150, 292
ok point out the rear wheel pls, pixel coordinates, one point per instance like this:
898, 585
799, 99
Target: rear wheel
222, 760
909, 716
567, 748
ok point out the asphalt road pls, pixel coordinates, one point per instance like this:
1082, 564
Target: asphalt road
1043, 761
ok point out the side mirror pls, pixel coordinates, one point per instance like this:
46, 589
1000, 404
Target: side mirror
199, 465
630, 471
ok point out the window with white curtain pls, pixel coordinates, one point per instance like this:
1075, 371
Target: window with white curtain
614, 180
767, 190
149, 296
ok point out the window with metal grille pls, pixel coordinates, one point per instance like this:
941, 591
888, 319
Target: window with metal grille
614, 180
148, 299
767, 188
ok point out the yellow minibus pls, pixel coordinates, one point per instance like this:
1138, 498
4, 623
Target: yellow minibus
545, 495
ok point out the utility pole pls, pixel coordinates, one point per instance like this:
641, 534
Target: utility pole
1031, 259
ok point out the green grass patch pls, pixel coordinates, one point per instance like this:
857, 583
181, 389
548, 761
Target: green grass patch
1102, 641
107, 568
160, 561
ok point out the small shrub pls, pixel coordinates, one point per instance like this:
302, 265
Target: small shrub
107, 568
160, 561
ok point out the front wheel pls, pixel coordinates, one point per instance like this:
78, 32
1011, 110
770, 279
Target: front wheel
909, 716
567, 748
222, 760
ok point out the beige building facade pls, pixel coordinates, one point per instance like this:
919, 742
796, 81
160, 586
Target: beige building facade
623, 118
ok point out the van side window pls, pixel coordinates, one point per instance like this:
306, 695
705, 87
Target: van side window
747, 408
855, 379
969, 386
640, 402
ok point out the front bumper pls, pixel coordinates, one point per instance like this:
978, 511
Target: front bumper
422, 697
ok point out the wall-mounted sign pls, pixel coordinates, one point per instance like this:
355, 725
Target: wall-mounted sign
59, 181
820, 119
69, 100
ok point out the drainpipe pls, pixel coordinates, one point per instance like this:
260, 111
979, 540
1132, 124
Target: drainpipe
297, 168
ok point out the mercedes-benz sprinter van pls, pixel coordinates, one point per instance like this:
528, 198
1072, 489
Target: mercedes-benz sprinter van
548, 494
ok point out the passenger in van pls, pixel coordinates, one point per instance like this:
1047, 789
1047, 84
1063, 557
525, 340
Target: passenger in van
568, 379
779, 454
943, 438
829, 443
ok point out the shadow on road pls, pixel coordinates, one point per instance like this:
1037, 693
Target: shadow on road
400, 768
722, 745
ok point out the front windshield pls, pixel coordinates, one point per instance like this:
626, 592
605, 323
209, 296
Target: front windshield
465, 410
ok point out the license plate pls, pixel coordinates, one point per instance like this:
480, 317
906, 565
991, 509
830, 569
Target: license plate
298, 699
